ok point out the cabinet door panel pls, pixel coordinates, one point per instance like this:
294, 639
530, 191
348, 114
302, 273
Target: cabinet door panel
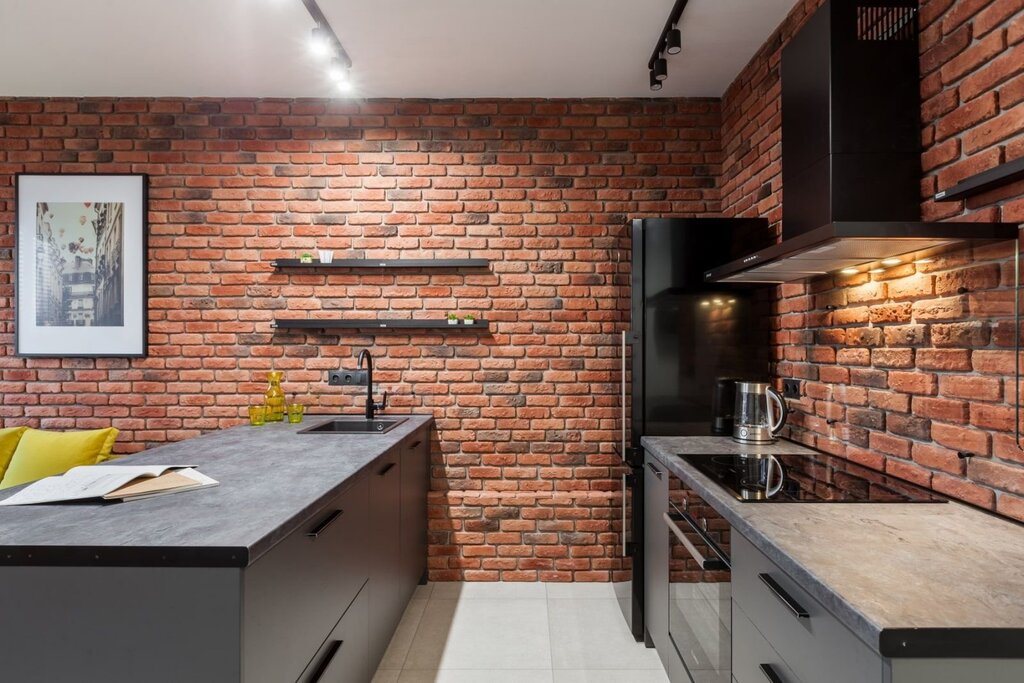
294, 595
656, 551
415, 482
386, 601
344, 656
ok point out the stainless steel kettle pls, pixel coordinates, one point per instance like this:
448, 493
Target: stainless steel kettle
753, 421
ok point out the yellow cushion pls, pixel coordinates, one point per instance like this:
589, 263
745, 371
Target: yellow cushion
9, 439
44, 454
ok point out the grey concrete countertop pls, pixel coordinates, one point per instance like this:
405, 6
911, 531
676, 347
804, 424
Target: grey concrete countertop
908, 579
272, 480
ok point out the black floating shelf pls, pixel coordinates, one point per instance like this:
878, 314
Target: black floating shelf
984, 181
353, 263
376, 324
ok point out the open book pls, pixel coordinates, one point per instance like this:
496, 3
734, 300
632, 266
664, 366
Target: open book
111, 482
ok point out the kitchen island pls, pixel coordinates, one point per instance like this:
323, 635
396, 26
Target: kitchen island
905, 592
296, 567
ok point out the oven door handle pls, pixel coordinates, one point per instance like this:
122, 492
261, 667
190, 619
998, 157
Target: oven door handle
713, 564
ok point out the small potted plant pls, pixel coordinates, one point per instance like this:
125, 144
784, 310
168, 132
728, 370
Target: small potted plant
453, 319
469, 319
305, 257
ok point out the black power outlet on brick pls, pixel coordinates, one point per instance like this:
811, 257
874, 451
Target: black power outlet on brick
791, 388
340, 378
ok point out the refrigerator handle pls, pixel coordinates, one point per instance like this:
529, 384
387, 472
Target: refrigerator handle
623, 397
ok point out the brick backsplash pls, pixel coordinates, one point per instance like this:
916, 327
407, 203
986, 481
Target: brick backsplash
525, 485
906, 369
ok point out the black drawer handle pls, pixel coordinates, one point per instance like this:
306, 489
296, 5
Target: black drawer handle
784, 597
322, 526
387, 468
416, 444
769, 672
325, 663
654, 470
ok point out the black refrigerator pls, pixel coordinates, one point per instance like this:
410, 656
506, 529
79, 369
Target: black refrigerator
683, 336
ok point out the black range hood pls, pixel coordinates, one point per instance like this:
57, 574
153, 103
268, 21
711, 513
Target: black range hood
851, 156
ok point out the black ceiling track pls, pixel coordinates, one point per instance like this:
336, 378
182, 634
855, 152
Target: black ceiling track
984, 181
673, 20
321, 22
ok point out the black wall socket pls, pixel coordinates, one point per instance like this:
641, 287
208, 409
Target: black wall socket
791, 388
339, 378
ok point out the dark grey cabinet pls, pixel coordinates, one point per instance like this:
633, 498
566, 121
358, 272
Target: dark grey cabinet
415, 484
385, 551
656, 549
344, 657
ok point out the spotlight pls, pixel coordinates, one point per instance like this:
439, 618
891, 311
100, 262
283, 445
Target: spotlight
338, 72
924, 260
877, 270
849, 271
705, 303
660, 70
655, 83
674, 42
320, 42
892, 261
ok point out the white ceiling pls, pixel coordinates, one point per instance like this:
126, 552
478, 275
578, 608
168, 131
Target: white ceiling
400, 48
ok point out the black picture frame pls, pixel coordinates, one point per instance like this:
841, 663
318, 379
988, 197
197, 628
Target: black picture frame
129, 339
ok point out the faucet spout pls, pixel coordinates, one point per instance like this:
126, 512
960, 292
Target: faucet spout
364, 355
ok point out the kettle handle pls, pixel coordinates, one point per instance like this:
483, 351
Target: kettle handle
769, 489
783, 411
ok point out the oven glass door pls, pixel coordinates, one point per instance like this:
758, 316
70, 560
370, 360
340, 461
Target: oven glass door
700, 602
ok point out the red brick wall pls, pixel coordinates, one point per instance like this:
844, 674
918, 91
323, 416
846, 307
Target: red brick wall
523, 475
909, 367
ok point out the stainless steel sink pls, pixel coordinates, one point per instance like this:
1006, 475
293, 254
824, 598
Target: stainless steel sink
353, 425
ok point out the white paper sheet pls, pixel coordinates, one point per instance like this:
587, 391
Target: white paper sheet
82, 483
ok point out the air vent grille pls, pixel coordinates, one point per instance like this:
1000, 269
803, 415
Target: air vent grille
876, 23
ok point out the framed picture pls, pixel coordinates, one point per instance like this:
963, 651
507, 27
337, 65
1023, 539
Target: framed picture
80, 280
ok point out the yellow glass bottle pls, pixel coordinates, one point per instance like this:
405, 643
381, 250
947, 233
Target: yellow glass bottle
274, 397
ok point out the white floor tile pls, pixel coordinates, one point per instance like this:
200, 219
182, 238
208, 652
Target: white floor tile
488, 590
611, 676
423, 592
592, 634
398, 648
581, 591
386, 676
476, 676
484, 634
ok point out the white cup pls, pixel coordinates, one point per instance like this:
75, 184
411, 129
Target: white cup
326, 255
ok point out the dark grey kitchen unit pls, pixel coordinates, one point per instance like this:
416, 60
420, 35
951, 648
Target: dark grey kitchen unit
656, 549
790, 628
296, 568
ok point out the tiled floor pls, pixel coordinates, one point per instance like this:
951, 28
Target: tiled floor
516, 633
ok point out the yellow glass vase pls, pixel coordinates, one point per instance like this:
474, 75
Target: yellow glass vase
274, 397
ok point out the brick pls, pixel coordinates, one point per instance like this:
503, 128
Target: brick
891, 313
913, 382
967, 115
971, 387
963, 490
937, 458
906, 335
966, 439
892, 358
944, 359
945, 409
889, 401
950, 308
909, 426
997, 475
969, 334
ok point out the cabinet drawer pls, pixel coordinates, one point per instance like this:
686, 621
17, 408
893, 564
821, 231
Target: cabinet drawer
344, 656
814, 645
753, 659
294, 595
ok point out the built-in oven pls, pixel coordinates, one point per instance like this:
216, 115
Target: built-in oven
699, 597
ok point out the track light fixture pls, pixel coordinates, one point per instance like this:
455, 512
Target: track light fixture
674, 42
325, 44
670, 41
660, 69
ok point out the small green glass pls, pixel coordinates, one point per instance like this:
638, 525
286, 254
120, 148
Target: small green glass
295, 412
257, 415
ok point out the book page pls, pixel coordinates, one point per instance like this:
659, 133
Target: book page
82, 483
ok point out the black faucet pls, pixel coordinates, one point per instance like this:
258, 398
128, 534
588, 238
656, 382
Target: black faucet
370, 405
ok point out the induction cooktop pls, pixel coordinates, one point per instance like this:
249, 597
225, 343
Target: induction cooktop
815, 478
